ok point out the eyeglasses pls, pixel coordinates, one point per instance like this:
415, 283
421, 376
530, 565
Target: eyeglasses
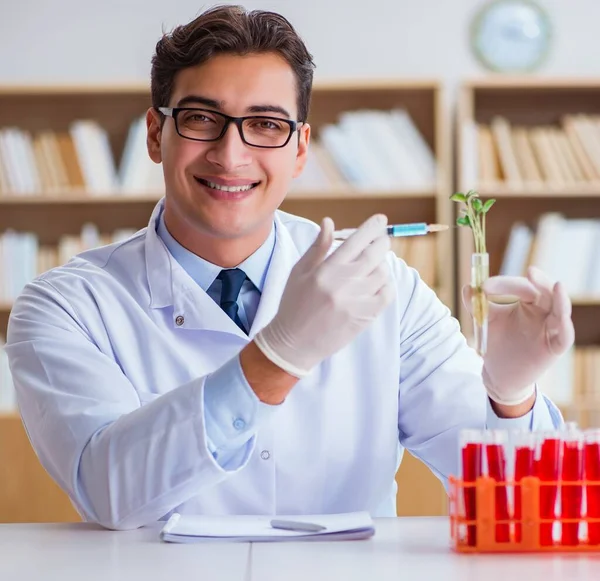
206, 125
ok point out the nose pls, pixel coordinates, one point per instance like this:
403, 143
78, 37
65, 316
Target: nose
230, 152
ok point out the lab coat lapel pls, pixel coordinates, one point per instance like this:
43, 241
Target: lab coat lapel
198, 309
285, 256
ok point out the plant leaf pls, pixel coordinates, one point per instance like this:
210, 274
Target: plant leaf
477, 205
458, 197
488, 205
463, 221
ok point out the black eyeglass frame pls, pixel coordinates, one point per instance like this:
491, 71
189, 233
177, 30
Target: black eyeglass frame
237, 121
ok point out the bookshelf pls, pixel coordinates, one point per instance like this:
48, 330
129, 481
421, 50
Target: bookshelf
52, 212
559, 118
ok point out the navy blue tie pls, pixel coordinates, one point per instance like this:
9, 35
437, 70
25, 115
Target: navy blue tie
231, 284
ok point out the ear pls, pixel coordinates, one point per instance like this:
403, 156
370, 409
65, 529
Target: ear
153, 128
303, 141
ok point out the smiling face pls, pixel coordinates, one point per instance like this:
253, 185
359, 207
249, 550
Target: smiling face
221, 196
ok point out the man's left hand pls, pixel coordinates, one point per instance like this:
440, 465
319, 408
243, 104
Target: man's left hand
526, 336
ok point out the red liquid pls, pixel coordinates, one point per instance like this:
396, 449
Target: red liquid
497, 471
592, 474
548, 471
523, 467
570, 494
471, 461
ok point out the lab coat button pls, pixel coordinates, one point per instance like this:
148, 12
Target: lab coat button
179, 321
239, 424
265, 455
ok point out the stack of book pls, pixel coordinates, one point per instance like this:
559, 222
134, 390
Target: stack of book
366, 150
77, 161
22, 258
518, 157
567, 250
371, 150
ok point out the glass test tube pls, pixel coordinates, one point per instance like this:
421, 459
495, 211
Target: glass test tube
480, 271
548, 470
570, 493
524, 441
592, 476
496, 442
471, 443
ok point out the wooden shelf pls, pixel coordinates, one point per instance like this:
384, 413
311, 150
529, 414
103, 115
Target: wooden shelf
114, 107
527, 102
78, 198
583, 191
316, 195
520, 82
360, 194
585, 302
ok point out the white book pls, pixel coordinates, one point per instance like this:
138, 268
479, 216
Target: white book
8, 402
469, 155
579, 246
249, 528
548, 245
34, 183
359, 128
95, 157
593, 284
344, 156
423, 153
8, 260
11, 163
516, 255
396, 148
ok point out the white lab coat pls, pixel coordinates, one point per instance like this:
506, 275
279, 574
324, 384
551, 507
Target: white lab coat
110, 388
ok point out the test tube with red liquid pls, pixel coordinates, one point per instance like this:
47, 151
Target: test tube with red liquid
471, 446
495, 451
548, 470
524, 441
571, 491
592, 476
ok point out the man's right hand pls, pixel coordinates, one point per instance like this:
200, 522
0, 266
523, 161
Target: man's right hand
329, 300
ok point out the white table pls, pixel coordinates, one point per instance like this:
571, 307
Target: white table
405, 548
411, 548
83, 552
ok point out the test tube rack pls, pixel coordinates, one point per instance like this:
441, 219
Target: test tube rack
485, 524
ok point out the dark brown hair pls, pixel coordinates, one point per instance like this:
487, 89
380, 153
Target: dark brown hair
233, 30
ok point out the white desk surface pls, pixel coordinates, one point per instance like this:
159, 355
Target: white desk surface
84, 552
404, 548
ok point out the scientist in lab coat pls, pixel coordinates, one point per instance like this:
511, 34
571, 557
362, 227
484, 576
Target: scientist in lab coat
228, 358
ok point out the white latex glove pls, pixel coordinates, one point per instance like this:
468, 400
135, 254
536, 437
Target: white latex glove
526, 337
328, 300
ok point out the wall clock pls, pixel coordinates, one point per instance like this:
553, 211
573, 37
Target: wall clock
511, 35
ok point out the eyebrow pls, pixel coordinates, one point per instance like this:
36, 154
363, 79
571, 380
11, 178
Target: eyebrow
213, 104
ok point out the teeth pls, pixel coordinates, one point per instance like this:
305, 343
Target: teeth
228, 188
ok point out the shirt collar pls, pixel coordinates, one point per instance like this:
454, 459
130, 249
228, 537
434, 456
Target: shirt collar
204, 272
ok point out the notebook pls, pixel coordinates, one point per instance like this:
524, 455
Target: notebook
244, 528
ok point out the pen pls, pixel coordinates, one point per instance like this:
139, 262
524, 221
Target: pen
397, 230
290, 525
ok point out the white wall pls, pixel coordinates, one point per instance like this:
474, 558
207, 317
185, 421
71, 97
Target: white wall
78, 41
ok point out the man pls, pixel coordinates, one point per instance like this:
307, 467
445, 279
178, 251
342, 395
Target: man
229, 358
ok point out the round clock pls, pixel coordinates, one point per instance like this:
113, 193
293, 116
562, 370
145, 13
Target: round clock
511, 35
